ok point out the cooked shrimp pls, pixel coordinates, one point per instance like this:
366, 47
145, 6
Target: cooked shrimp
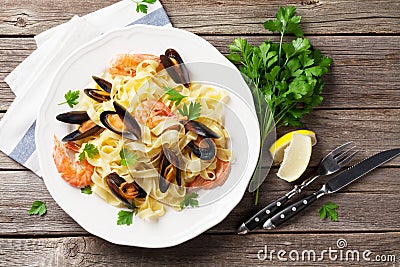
78, 174
126, 64
221, 174
152, 113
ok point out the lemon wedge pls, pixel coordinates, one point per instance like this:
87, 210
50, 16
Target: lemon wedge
296, 157
277, 149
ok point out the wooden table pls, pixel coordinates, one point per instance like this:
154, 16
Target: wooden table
362, 103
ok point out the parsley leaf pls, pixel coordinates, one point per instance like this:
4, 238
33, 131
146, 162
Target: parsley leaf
71, 98
192, 112
286, 22
125, 217
127, 157
190, 200
88, 151
174, 95
142, 6
38, 208
86, 190
329, 210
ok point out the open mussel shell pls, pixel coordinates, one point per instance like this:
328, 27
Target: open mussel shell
98, 95
86, 129
130, 122
105, 85
123, 190
121, 122
200, 129
205, 149
73, 117
175, 67
113, 122
169, 170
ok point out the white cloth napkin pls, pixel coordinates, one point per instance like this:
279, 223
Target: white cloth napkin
31, 79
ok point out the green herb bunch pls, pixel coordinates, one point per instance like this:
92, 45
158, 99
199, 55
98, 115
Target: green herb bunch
289, 75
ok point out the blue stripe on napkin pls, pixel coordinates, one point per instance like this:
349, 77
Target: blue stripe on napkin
25, 147
156, 18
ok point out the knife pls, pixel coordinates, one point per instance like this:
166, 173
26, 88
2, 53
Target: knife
335, 184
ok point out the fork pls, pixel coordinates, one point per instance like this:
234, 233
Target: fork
331, 163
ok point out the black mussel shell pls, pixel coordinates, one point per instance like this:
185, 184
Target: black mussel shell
80, 133
172, 157
205, 150
122, 190
105, 85
109, 118
175, 67
200, 129
169, 170
98, 95
130, 122
163, 183
73, 117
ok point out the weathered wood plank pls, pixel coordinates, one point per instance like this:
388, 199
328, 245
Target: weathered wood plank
216, 17
7, 163
377, 193
364, 73
221, 250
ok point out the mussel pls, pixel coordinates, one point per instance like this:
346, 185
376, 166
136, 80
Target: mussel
169, 170
123, 190
204, 149
100, 95
73, 117
121, 122
175, 67
87, 127
105, 85
200, 129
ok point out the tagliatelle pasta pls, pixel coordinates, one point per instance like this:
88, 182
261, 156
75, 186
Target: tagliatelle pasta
140, 89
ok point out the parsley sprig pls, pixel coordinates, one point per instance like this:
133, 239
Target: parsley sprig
127, 157
86, 190
38, 208
89, 150
190, 200
328, 210
125, 216
287, 77
71, 98
174, 95
192, 112
142, 5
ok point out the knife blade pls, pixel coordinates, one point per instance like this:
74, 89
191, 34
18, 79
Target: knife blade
333, 185
356, 171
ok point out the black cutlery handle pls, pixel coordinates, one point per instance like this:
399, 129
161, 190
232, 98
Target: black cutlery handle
292, 210
265, 213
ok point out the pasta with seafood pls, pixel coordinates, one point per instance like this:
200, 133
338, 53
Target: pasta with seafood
146, 135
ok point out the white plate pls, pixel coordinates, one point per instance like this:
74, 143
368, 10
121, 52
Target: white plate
91, 212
